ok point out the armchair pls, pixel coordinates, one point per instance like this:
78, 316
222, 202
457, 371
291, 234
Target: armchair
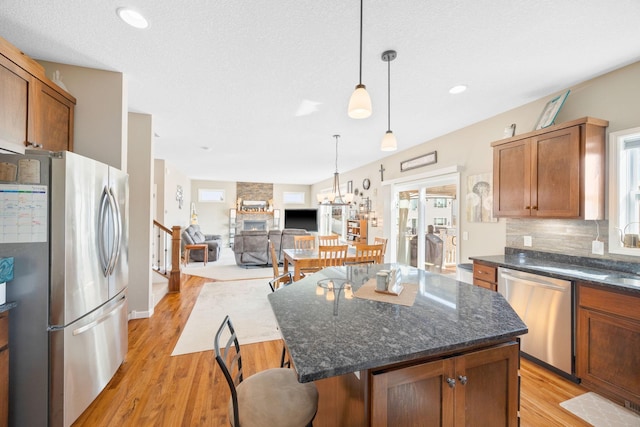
193, 236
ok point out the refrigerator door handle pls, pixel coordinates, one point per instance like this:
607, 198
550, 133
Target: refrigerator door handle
102, 223
100, 319
117, 221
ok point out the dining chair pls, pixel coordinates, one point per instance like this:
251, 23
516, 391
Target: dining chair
333, 255
381, 241
330, 240
304, 242
369, 253
273, 397
278, 279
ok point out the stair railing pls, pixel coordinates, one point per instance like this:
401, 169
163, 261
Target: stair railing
165, 262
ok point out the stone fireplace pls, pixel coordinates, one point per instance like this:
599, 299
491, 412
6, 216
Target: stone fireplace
254, 225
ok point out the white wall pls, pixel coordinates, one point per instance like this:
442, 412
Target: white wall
168, 178
140, 155
613, 96
100, 115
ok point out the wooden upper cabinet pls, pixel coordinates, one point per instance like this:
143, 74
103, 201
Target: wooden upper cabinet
35, 112
15, 92
557, 172
53, 128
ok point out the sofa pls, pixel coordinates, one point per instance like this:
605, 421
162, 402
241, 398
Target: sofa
251, 247
193, 236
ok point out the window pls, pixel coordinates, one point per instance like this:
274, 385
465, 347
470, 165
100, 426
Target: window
624, 191
293, 197
206, 195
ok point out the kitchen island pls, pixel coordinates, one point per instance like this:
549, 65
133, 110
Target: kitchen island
451, 355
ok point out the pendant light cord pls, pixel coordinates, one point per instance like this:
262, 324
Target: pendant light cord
336, 137
389, 94
360, 75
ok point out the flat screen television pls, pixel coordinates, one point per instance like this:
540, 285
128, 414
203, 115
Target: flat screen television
301, 218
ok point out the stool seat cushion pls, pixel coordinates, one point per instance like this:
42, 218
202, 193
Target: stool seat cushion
275, 398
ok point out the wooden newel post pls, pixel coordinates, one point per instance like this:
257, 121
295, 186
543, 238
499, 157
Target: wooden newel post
174, 277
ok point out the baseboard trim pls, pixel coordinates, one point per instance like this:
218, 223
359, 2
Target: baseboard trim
140, 314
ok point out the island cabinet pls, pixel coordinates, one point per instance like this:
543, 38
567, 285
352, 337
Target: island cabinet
35, 113
476, 388
556, 172
485, 276
608, 343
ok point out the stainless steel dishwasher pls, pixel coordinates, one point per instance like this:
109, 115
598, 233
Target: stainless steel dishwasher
544, 304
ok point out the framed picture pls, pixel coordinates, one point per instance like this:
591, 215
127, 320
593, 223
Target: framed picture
551, 110
349, 186
416, 162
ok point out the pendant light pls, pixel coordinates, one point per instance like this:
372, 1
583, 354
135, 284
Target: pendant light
335, 197
360, 102
389, 142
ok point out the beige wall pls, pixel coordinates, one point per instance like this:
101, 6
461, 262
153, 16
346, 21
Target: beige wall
214, 217
100, 129
611, 97
140, 155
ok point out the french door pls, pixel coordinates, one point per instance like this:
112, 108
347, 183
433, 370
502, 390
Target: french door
424, 222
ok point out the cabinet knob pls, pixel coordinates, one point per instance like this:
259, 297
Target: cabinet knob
451, 382
463, 379
535, 208
527, 207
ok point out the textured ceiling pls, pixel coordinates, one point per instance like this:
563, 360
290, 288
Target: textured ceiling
265, 84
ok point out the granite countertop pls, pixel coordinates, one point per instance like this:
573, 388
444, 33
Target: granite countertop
8, 306
610, 274
330, 338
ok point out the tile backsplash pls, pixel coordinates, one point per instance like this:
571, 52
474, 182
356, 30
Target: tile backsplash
565, 236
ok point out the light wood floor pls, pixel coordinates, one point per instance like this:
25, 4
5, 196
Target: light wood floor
152, 388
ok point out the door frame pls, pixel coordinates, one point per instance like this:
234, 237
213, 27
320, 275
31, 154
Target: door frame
418, 181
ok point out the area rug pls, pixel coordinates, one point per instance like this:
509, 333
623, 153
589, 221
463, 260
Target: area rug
225, 268
600, 412
246, 303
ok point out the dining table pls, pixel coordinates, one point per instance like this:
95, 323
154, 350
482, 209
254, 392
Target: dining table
302, 259
364, 349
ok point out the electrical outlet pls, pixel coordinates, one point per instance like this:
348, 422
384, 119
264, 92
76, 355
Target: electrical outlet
597, 247
528, 241
465, 235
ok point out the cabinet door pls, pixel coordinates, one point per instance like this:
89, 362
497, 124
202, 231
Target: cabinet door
416, 395
555, 176
512, 179
487, 389
54, 120
608, 342
15, 90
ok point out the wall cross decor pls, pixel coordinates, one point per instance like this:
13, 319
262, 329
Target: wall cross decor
382, 169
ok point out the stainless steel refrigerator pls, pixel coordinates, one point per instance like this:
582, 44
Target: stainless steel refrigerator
63, 218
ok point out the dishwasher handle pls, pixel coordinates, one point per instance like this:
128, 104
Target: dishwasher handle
534, 280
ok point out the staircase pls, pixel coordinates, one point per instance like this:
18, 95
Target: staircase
166, 256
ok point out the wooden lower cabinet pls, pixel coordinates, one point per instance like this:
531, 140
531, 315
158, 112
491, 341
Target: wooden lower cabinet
608, 343
485, 276
478, 388
4, 369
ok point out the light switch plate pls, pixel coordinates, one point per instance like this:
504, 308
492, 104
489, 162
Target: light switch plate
597, 247
528, 241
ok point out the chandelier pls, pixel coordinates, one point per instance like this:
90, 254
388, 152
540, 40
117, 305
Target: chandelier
335, 197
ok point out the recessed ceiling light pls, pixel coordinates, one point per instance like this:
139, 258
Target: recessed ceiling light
458, 89
131, 17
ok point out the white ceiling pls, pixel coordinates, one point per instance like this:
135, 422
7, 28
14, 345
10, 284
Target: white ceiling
233, 76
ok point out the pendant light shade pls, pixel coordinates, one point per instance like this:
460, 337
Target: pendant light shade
360, 102
389, 142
